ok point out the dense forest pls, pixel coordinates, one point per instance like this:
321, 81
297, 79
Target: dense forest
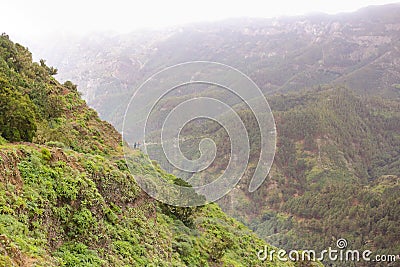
337, 172
335, 175
68, 199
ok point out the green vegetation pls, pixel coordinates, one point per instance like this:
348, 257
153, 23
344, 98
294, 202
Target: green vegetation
343, 179
83, 210
336, 172
337, 165
68, 199
35, 107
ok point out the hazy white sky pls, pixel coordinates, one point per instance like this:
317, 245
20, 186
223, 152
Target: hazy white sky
43, 16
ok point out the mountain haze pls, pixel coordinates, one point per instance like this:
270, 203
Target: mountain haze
359, 50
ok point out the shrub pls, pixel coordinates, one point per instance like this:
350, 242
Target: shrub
78, 255
56, 144
46, 154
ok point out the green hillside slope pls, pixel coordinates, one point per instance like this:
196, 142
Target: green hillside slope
67, 198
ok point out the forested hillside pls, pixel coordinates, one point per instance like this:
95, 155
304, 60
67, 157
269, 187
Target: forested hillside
335, 175
336, 171
332, 82
68, 199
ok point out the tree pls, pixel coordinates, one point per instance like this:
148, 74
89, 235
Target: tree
71, 86
17, 116
50, 70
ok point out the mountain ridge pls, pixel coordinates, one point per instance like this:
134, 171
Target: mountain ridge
358, 50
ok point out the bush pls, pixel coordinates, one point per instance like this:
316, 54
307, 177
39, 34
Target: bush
2, 140
56, 144
82, 221
46, 154
78, 255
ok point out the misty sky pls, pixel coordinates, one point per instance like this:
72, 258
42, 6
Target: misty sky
34, 18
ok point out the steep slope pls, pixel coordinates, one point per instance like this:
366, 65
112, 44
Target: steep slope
337, 168
67, 198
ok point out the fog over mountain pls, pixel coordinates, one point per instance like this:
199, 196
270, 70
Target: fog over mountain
359, 50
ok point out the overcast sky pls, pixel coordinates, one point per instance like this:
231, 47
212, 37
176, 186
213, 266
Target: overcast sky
32, 18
